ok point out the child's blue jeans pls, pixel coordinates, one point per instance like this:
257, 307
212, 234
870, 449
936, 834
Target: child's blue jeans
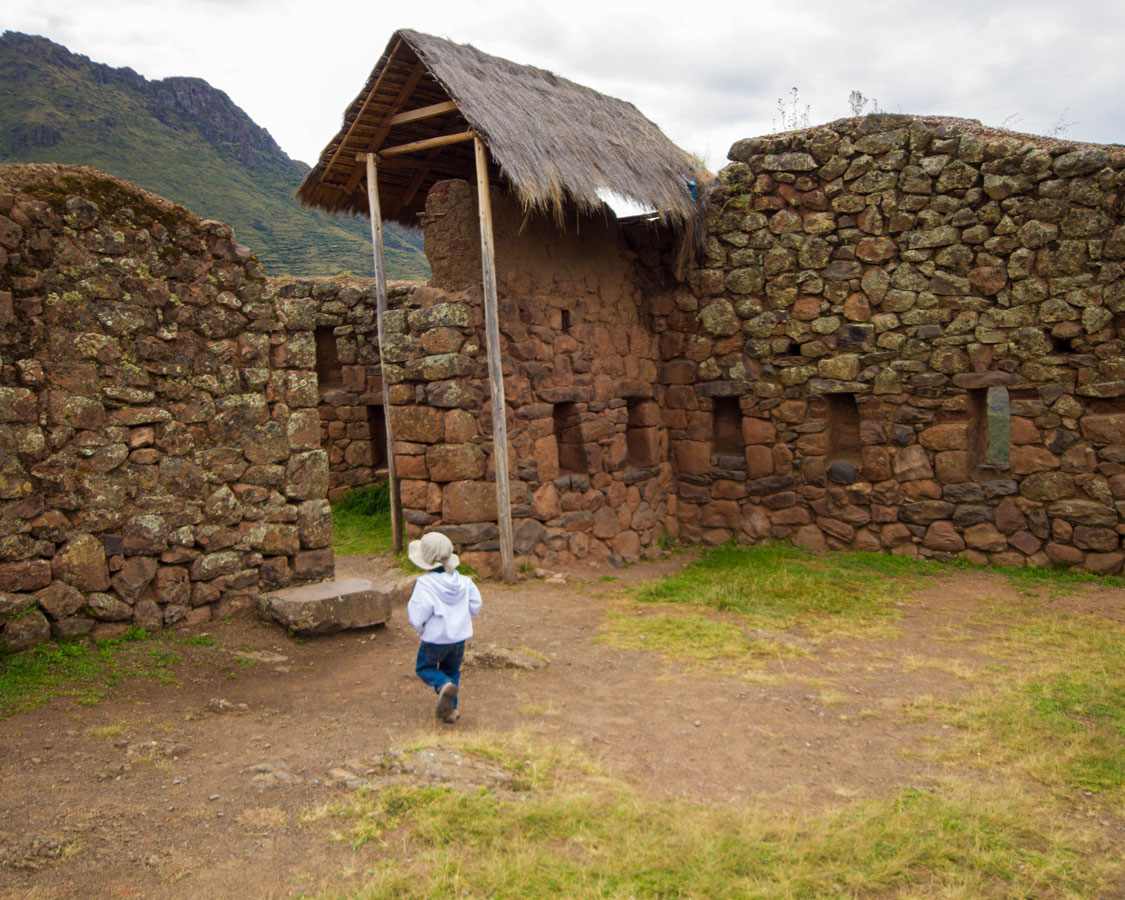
439, 664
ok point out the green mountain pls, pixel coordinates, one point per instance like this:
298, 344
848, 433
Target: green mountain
185, 140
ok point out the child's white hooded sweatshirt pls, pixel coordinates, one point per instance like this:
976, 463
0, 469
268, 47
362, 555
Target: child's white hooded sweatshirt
442, 607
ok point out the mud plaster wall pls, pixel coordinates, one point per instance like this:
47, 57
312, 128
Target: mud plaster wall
864, 285
159, 441
587, 450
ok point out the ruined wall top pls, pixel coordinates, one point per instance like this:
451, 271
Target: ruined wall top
159, 440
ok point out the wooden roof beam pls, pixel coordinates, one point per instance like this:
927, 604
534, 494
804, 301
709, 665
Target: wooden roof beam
414, 146
377, 139
423, 112
363, 108
407, 196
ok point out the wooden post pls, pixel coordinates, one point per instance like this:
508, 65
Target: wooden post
495, 370
380, 309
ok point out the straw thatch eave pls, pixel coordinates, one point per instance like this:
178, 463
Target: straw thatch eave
555, 144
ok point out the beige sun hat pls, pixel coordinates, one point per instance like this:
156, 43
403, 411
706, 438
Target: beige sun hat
433, 550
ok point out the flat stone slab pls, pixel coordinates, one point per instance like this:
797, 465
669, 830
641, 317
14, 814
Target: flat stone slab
333, 606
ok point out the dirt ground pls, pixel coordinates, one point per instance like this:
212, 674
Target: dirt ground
196, 789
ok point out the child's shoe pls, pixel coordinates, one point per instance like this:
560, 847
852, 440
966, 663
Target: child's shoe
446, 696
452, 717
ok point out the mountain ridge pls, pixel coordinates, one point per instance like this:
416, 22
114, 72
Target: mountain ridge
187, 140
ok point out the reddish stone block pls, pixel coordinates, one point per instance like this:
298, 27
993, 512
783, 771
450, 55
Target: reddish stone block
953, 466
841, 531
1023, 431
720, 514
949, 436
810, 537
812, 444
460, 426
758, 431
759, 461
724, 489
1064, 554
411, 467
985, 537
1009, 517
455, 462
1104, 563
692, 457
793, 515
896, 535
876, 463
469, 501
1104, 428
678, 371
59, 600
314, 565
418, 424
1027, 459
1025, 542
1101, 540
81, 563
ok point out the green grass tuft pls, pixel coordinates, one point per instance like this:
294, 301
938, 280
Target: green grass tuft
361, 522
573, 833
84, 670
778, 585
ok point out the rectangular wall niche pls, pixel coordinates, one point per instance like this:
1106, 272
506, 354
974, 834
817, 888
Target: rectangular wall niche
726, 427
990, 426
377, 429
844, 442
642, 433
573, 457
328, 371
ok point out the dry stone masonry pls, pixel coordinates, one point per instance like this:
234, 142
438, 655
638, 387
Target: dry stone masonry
160, 452
901, 334
340, 314
907, 335
591, 478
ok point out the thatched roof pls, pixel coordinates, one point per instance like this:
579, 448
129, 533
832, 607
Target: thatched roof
554, 143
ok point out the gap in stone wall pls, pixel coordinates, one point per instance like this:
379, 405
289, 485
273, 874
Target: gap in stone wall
726, 426
377, 429
565, 325
329, 372
844, 441
1061, 345
990, 426
1106, 405
641, 433
567, 437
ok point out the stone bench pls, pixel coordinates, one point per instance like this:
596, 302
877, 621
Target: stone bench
333, 606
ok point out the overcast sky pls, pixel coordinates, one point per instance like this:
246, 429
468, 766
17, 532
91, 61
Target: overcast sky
708, 73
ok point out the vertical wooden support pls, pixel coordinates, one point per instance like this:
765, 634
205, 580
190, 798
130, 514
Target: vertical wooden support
380, 309
495, 369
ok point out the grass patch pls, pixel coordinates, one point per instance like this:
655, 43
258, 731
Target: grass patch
737, 604
776, 585
84, 670
1033, 580
1054, 708
575, 834
699, 641
361, 522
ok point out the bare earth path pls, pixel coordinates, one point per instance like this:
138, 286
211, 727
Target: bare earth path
197, 789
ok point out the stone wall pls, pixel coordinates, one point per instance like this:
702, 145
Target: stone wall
872, 293
159, 440
587, 448
340, 313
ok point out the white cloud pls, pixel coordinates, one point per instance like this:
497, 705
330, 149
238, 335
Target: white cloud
708, 74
